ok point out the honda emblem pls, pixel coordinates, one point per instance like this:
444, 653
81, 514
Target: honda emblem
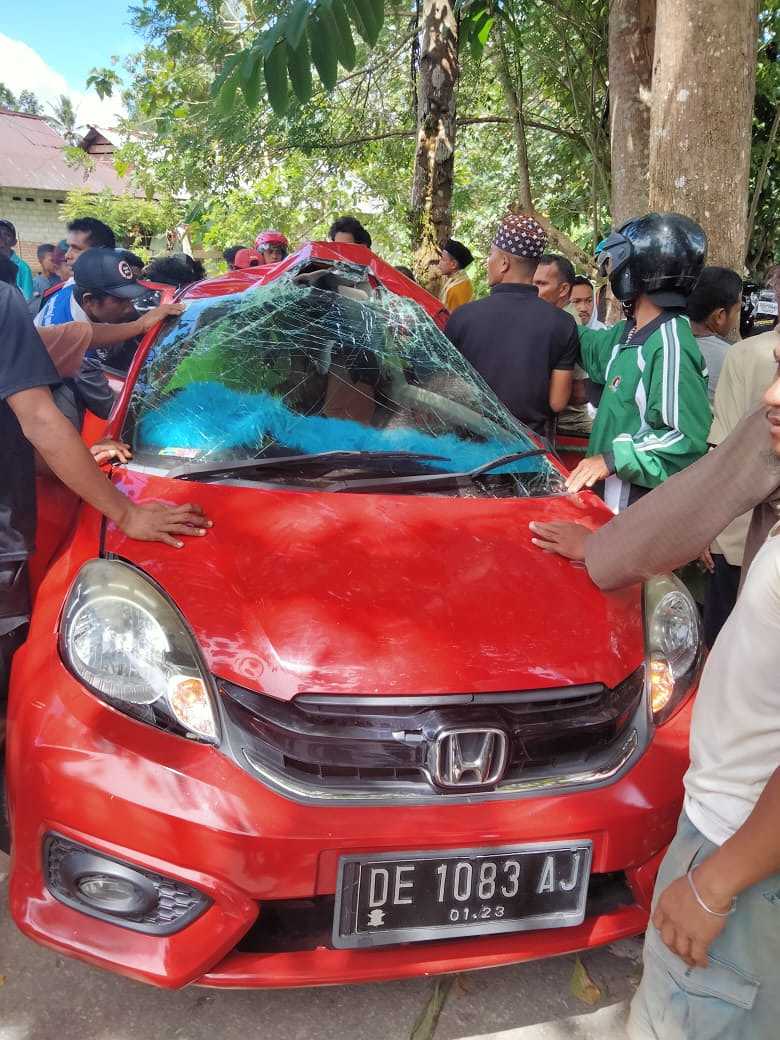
468, 758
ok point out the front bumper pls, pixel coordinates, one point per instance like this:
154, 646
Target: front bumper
161, 803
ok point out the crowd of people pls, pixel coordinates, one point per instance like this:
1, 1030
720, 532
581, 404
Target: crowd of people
683, 429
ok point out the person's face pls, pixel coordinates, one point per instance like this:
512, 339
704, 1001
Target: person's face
550, 287
7, 241
447, 265
772, 403
344, 236
110, 310
497, 266
78, 243
582, 301
47, 263
273, 254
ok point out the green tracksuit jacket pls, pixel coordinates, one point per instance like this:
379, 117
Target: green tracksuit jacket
654, 416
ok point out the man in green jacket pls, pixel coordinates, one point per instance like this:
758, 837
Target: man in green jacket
654, 415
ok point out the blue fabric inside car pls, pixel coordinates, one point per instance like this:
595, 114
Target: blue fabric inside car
210, 417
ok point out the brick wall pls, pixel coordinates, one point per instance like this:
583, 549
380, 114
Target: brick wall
36, 216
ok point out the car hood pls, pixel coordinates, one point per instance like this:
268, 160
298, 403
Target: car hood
299, 591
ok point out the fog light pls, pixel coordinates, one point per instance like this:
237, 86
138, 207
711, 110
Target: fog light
115, 895
122, 893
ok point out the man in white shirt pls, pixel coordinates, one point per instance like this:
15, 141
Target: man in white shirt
712, 951
83, 233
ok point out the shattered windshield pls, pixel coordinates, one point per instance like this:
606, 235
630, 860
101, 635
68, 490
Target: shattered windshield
321, 361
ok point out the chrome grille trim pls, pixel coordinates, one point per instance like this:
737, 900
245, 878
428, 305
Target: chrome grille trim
419, 794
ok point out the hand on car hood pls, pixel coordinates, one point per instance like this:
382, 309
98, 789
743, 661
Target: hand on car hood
297, 592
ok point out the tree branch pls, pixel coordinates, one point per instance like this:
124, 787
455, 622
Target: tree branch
351, 142
761, 177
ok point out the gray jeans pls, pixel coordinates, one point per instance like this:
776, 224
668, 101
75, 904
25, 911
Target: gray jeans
737, 996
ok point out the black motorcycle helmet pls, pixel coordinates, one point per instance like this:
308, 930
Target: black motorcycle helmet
660, 254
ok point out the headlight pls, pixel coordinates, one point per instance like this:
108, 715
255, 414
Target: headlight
673, 644
123, 639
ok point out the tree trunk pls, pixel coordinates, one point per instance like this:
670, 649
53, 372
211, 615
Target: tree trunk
437, 80
701, 118
631, 31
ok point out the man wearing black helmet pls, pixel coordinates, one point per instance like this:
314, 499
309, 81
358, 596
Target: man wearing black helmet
654, 414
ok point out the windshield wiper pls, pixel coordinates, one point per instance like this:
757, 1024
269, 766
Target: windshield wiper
424, 480
329, 459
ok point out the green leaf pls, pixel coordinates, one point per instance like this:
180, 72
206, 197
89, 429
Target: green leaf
227, 93
276, 79
341, 26
299, 68
249, 65
252, 86
229, 66
582, 985
295, 24
362, 14
323, 52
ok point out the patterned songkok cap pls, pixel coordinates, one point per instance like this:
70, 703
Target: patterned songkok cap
521, 236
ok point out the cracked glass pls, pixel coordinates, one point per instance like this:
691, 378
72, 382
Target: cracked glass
323, 359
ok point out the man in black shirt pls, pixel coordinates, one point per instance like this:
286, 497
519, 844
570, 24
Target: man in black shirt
30, 419
523, 348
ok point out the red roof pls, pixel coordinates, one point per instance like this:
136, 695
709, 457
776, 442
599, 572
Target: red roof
32, 156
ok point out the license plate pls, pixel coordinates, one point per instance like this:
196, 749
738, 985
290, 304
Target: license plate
391, 898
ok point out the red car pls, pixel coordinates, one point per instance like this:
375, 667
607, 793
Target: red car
364, 729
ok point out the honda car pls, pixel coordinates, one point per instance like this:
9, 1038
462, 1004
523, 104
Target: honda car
364, 729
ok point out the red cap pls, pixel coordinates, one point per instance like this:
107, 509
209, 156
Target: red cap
246, 258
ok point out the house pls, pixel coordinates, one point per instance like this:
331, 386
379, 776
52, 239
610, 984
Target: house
35, 177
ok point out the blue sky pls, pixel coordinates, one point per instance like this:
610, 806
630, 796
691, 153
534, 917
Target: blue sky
50, 48
71, 37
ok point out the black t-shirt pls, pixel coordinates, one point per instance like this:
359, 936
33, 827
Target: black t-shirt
515, 341
24, 364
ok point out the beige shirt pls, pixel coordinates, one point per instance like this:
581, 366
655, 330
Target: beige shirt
735, 729
67, 344
749, 368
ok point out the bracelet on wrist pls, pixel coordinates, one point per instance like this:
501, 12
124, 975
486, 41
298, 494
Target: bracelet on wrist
703, 905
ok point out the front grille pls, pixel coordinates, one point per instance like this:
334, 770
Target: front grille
345, 747
291, 925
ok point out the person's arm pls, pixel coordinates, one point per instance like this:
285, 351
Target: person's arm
676, 521
560, 388
65, 453
109, 335
749, 856
596, 349
579, 392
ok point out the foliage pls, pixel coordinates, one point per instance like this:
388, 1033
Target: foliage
764, 246
26, 101
104, 82
302, 34
351, 149
134, 221
63, 119
79, 159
